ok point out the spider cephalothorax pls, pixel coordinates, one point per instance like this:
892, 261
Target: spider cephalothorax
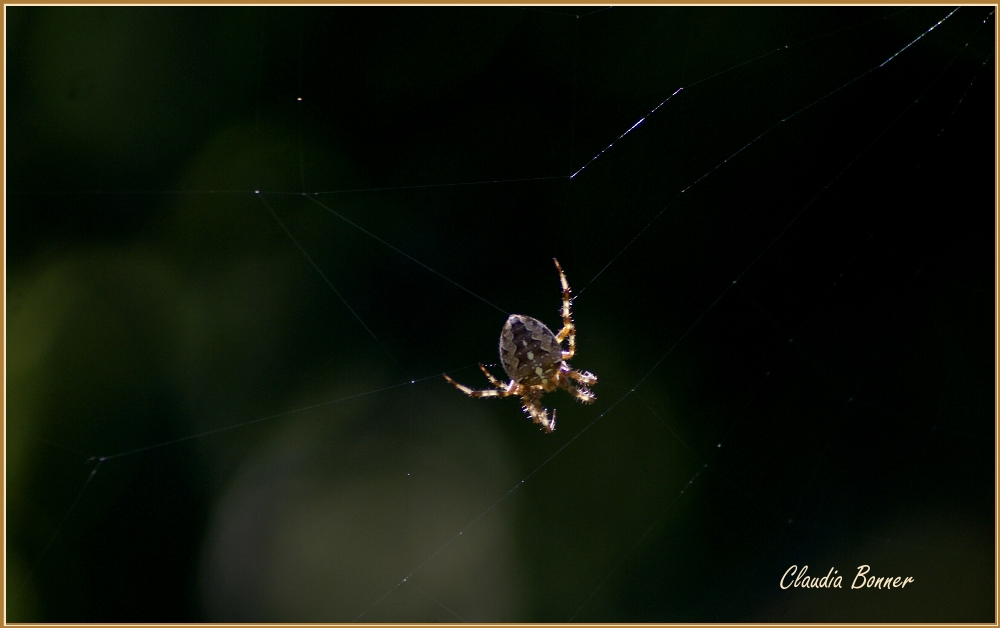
535, 361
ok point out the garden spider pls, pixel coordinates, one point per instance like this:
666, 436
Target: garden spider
535, 361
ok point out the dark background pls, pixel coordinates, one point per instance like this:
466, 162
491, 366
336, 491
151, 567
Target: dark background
795, 353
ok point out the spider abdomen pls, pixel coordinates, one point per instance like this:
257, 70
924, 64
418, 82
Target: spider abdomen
529, 352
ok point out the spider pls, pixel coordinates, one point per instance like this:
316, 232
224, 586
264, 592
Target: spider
535, 361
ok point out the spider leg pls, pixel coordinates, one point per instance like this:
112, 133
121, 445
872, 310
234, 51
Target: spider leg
584, 377
569, 330
581, 394
538, 414
493, 380
490, 392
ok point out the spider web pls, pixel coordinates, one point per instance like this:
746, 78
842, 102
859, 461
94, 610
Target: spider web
245, 243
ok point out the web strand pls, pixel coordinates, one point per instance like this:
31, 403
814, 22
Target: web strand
406, 255
329, 283
745, 147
